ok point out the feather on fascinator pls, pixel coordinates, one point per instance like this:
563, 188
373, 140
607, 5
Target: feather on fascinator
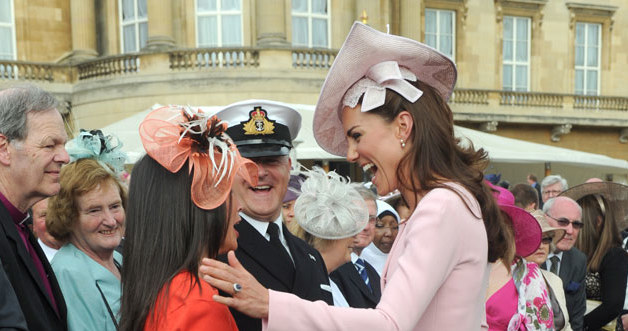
95, 145
172, 135
329, 207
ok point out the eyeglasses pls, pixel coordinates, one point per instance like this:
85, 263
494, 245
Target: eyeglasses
564, 222
546, 240
373, 219
552, 192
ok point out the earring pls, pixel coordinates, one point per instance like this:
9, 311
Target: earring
403, 143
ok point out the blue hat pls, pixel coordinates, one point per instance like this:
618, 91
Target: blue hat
261, 127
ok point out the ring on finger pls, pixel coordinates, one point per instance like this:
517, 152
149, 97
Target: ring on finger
237, 288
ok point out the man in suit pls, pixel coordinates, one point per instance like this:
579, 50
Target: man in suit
263, 131
11, 317
32, 151
358, 281
566, 261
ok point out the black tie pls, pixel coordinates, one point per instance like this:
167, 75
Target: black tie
273, 231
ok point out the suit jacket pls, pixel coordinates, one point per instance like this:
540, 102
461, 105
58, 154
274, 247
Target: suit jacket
260, 258
11, 317
29, 288
573, 269
353, 287
557, 288
428, 283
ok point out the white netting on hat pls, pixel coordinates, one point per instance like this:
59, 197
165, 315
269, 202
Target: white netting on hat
329, 207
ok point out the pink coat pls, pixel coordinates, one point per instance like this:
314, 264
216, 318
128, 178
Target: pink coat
435, 277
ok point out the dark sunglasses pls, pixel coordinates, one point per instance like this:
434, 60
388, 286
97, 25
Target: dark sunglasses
546, 240
564, 222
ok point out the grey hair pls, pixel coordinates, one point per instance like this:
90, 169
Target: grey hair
366, 193
16, 102
547, 206
553, 179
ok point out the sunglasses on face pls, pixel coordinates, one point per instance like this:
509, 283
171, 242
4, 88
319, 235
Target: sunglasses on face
564, 222
546, 240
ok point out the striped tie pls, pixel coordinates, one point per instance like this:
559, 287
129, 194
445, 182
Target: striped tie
361, 267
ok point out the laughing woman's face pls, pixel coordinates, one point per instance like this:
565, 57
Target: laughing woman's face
374, 145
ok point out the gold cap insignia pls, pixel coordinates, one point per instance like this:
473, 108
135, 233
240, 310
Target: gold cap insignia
258, 123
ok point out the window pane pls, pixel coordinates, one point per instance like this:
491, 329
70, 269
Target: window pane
6, 42
207, 31
592, 82
143, 34
579, 34
142, 12
299, 6
579, 82
508, 33
522, 50
129, 39
430, 21
508, 56
592, 34
5, 11
231, 30
319, 33
230, 5
128, 10
299, 31
521, 78
446, 45
507, 77
430, 40
522, 29
592, 57
319, 6
446, 22
579, 55
206, 5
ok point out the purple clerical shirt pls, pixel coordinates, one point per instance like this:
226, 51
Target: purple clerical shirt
19, 218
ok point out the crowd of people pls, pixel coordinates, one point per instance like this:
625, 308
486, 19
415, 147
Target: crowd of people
218, 230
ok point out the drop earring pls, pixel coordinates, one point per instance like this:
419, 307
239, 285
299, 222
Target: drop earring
403, 143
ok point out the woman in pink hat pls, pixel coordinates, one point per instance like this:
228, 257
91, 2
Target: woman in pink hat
383, 106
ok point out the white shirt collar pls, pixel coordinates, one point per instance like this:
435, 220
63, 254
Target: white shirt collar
262, 227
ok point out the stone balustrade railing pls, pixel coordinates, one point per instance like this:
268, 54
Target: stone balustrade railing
312, 58
209, 58
319, 60
109, 66
14, 70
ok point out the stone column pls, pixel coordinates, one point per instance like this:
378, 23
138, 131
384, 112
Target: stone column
159, 25
271, 23
83, 20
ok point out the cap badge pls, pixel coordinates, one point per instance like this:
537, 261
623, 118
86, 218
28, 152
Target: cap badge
258, 123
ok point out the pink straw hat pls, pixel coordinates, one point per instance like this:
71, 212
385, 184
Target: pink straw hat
527, 230
364, 48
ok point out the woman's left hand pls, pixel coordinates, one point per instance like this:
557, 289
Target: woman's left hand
251, 297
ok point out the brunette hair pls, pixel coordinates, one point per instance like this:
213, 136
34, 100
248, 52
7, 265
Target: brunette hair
166, 234
596, 240
76, 179
437, 157
525, 195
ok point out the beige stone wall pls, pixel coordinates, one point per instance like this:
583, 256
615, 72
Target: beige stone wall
44, 34
42, 28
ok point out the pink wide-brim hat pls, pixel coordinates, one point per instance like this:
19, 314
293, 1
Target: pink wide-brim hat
363, 48
527, 230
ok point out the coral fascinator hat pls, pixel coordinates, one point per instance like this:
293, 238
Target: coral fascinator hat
381, 61
172, 135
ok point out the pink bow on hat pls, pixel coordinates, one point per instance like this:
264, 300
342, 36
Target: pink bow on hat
382, 76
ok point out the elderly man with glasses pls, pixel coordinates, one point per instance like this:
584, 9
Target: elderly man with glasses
552, 186
567, 261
